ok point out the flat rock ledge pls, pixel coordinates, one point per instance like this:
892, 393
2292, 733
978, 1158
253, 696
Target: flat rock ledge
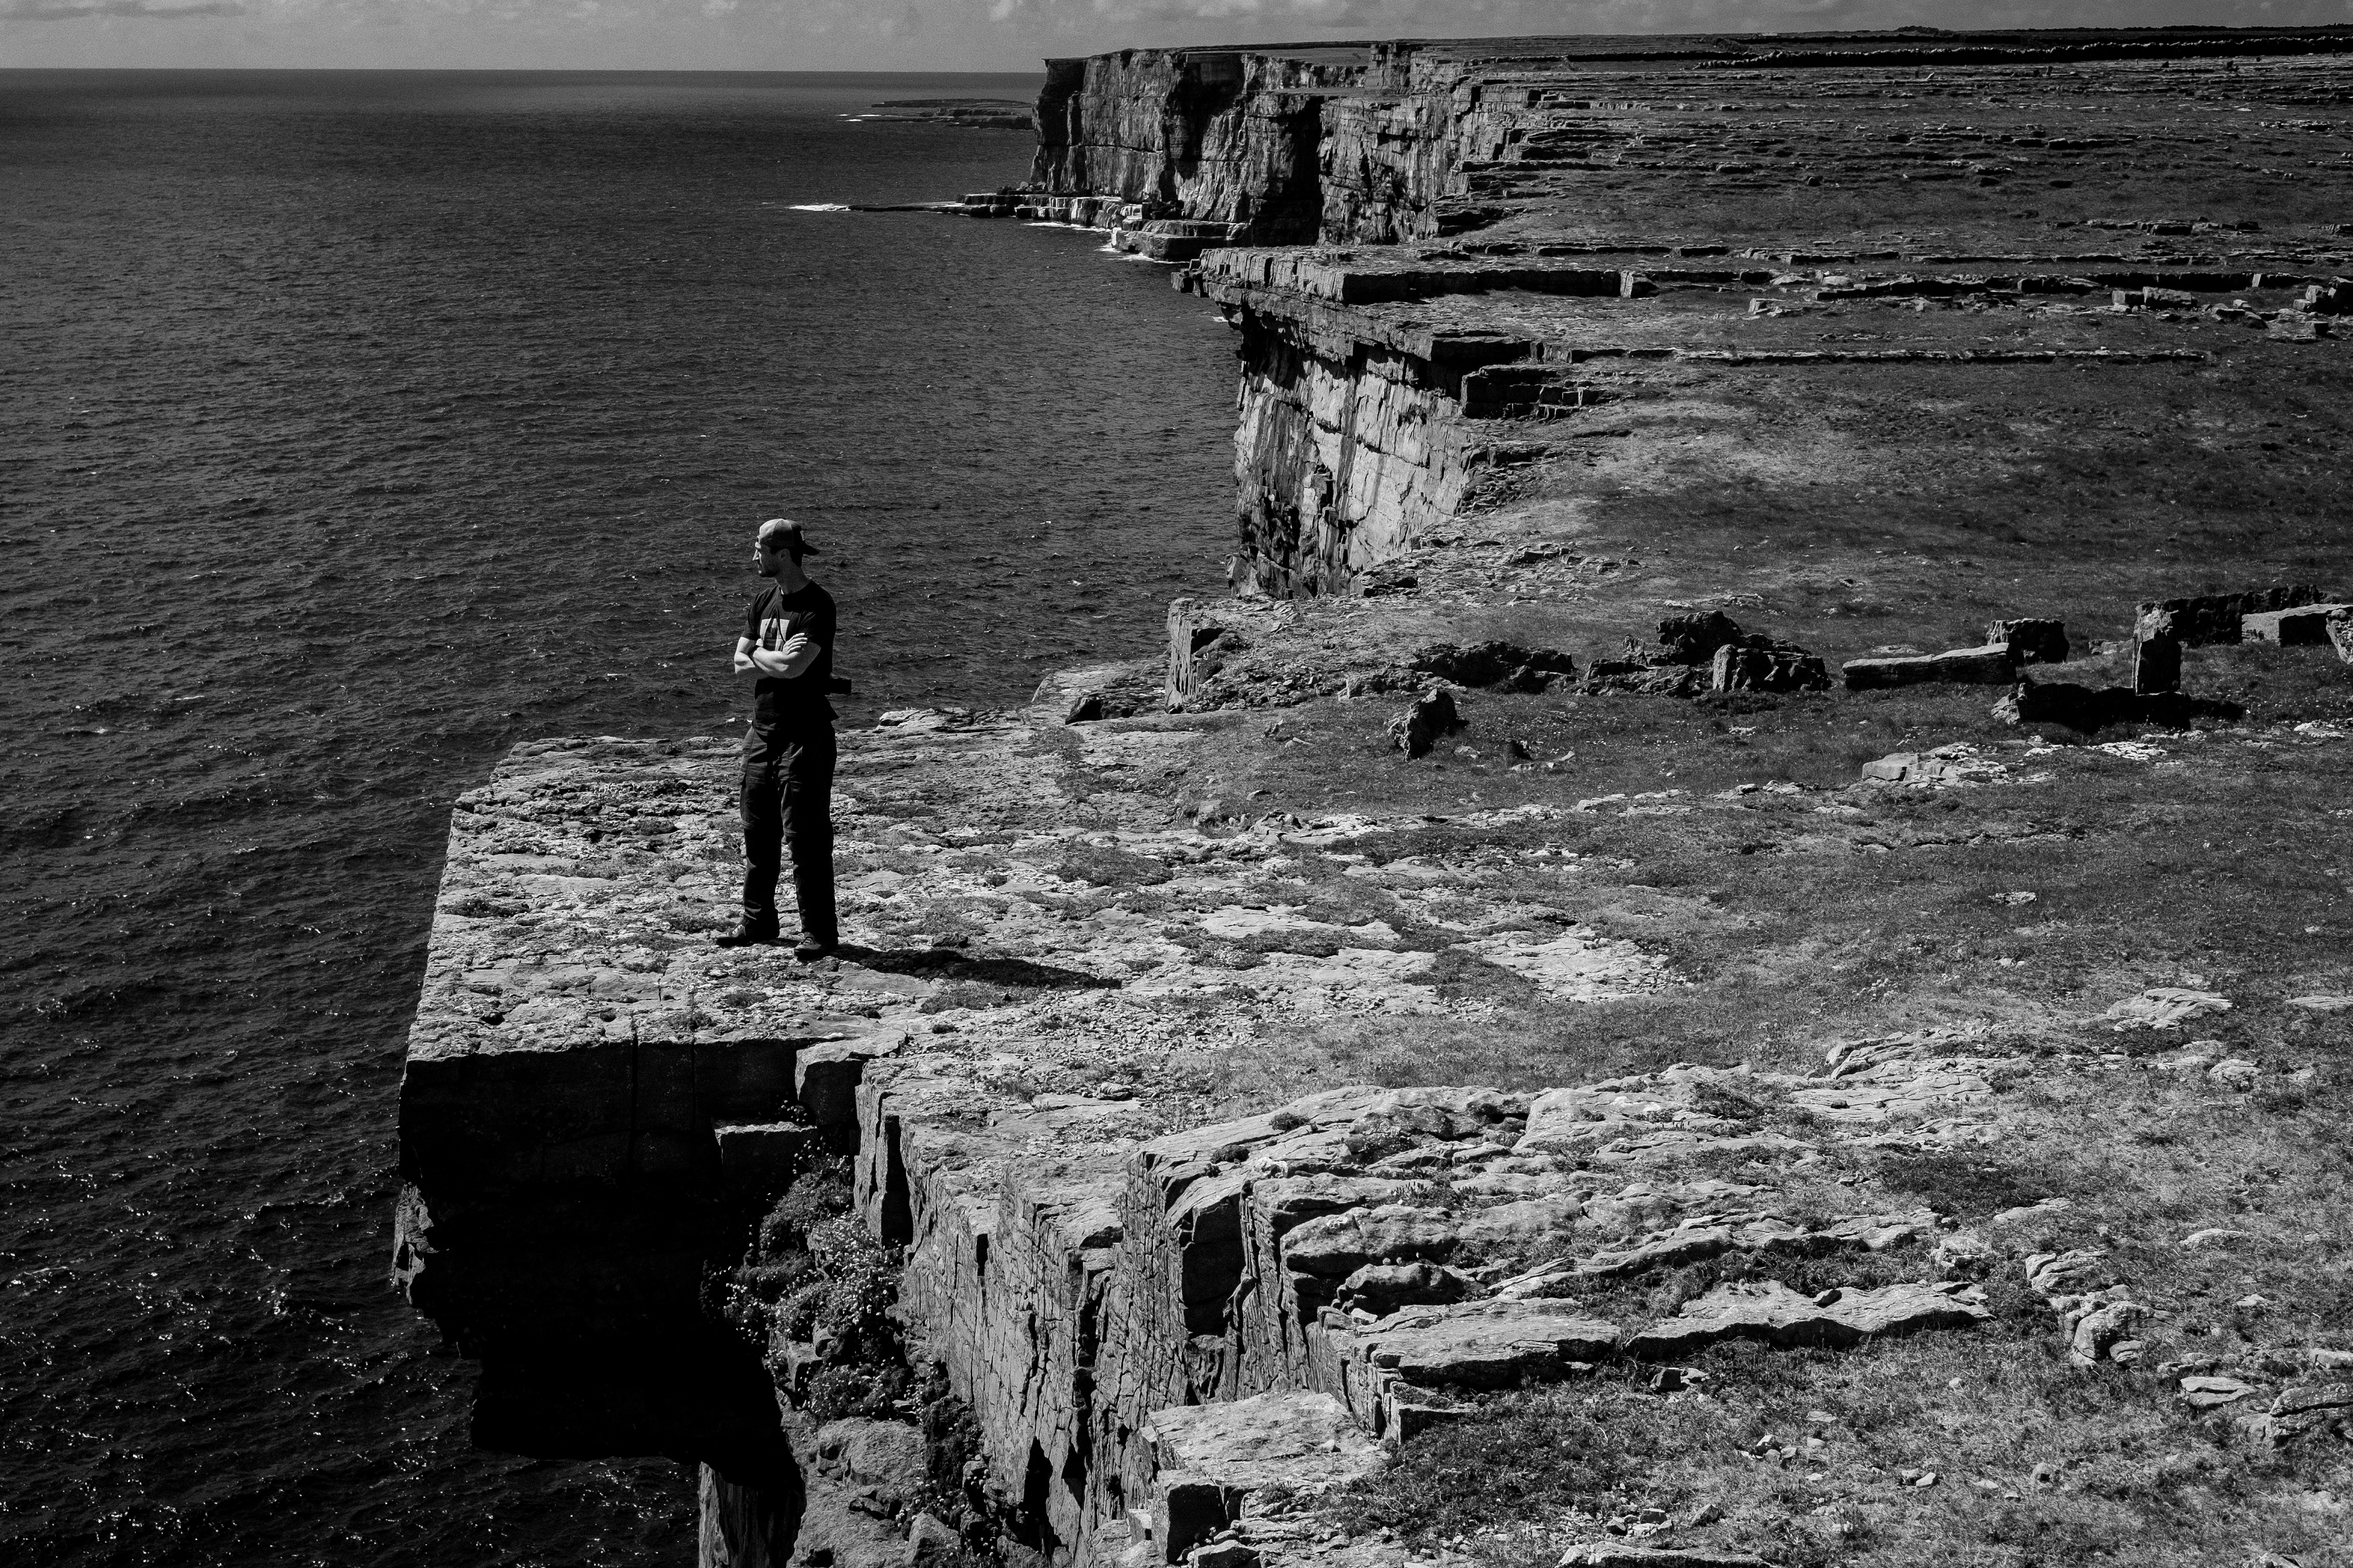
1175, 1330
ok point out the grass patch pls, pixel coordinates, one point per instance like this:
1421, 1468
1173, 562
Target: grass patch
2038, 1462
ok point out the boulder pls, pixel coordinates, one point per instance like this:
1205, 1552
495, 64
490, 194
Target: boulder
1101, 691
2098, 1335
1759, 664
1986, 665
1384, 1288
1694, 639
1494, 664
931, 1543
2030, 641
1432, 715
1223, 1554
2234, 1072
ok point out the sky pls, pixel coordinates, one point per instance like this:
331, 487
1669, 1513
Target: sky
940, 34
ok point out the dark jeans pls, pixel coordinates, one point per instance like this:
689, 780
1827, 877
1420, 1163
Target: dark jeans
788, 805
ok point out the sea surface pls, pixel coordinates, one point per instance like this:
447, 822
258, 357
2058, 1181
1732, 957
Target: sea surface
352, 427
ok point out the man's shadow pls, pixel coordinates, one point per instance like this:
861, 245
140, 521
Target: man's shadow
949, 963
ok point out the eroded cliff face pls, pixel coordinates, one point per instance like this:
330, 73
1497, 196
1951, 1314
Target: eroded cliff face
1341, 459
1213, 136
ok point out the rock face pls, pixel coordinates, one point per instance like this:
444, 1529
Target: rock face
1218, 136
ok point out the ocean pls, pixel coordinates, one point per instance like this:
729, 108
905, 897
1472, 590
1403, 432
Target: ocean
356, 427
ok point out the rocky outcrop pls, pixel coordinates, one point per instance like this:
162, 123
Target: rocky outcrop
599, 1105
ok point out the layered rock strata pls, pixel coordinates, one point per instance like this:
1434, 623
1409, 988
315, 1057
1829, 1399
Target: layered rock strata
1459, 196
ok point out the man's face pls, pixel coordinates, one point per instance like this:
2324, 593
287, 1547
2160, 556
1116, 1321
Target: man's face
768, 561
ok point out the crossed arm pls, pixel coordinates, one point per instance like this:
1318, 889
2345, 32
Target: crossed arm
793, 658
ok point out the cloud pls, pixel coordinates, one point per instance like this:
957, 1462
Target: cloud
70, 10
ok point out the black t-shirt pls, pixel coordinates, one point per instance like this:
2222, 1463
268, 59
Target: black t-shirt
782, 707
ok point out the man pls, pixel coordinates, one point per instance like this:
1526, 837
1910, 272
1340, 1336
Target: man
788, 650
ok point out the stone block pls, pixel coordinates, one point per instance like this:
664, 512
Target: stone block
2031, 641
1986, 665
2305, 625
1756, 664
2157, 665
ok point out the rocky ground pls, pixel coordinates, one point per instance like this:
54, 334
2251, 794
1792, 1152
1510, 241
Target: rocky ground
1803, 1088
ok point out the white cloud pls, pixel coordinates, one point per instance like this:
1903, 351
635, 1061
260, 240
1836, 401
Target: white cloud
76, 10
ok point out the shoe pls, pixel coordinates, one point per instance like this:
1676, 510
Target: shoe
809, 949
749, 933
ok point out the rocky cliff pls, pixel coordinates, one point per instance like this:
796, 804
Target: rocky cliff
1685, 181
1514, 1064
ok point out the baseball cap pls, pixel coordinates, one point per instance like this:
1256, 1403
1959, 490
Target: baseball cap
788, 532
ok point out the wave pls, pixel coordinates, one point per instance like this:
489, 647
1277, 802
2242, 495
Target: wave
820, 206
